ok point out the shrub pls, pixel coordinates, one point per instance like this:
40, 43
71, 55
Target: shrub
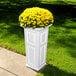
36, 17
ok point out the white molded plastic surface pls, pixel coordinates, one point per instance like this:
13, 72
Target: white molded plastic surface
36, 47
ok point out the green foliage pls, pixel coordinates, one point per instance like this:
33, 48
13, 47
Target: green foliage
61, 2
18, 2
29, 2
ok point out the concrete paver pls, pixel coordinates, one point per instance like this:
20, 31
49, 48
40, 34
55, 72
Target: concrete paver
5, 73
13, 64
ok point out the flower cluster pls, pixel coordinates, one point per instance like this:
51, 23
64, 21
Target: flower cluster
36, 17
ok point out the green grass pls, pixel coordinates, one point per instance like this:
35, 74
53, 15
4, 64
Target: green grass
61, 51
61, 2
11, 34
25, 2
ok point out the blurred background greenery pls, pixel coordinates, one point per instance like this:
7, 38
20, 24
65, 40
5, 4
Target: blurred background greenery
25, 2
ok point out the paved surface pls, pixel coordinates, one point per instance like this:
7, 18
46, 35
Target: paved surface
13, 64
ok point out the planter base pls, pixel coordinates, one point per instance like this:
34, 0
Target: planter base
36, 69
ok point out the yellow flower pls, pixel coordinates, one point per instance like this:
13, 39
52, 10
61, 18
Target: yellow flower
24, 25
46, 17
21, 23
34, 22
22, 20
28, 22
38, 19
25, 19
34, 26
33, 18
46, 24
52, 21
41, 25
47, 21
42, 19
39, 22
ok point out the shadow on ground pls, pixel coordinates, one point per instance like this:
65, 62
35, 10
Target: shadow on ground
50, 70
69, 43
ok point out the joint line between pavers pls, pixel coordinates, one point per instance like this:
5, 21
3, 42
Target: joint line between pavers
8, 71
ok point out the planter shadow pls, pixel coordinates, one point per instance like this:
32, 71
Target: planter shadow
50, 70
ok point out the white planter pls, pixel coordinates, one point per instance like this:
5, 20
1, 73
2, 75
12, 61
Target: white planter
36, 47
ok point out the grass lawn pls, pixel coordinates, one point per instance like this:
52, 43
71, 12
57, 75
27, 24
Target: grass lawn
11, 35
61, 51
64, 2
24, 2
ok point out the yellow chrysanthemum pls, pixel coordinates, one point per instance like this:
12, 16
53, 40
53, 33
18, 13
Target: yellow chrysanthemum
38, 23
24, 25
34, 26
42, 25
52, 21
34, 22
21, 23
38, 19
25, 19
42, 19
36, 16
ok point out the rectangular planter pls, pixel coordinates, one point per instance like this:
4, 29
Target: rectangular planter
36, 47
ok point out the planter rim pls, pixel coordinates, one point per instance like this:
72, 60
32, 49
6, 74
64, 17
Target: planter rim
37, 28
